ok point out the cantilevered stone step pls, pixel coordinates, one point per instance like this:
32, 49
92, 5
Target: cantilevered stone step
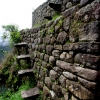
48, 17
25, 72
55, 6
30, 93
23, 44
23, 57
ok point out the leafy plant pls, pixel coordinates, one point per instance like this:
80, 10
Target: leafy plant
12, 33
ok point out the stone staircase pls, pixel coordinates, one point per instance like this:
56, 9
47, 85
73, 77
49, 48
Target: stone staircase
31, 93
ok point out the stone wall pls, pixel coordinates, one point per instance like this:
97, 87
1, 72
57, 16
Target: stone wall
66, 52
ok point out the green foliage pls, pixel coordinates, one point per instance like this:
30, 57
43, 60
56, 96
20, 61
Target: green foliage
57, 14
9, 70
11, 32
11, 95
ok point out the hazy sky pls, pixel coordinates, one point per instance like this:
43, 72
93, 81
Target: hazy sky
18, 12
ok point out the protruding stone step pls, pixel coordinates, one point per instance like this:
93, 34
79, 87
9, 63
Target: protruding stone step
23, 44
48, 17
23, 57
55, 6
25, 72
30, 93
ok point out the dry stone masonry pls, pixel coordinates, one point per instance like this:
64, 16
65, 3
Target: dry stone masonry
66, 49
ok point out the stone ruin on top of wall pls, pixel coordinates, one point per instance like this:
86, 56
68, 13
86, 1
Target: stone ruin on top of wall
66, 50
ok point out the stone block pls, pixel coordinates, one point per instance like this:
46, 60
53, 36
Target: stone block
70, 76
58, 47
57, 89
48, 82
87, 84
49, 49
52, 60
62, 37
42, 56
40, 84
53, 40
69, 11
57, 69
56, 53
87, 60
90, 32
69, 5
46, 39
79, 91
53, 75
88, 74
45, 91
84, 2
62, 81
46, 58
42, 47
90, 47
66, 23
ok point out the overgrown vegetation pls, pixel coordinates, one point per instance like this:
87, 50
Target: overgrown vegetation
11, 95
12, 82
12, 33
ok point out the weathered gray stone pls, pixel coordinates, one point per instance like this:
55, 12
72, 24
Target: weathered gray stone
88, 60
73, 98
66, 23
45, 91
56, 54
67, 56
48, 82
42, 56
57, 28
30, 93
53, 75
38, 54
36, 41
40, 40
49, 23
62, 81
58, 47
69, 11
88, 74
46, 58
87, 84
42, 47
79, 91
84, 2
69, 4
49, 49
69, 75
40, 85
58, 70
52, 94
56, 88
52, 60
33, 46
52, 40
82, 47
47, 39
90, 32
44, 64
62, 37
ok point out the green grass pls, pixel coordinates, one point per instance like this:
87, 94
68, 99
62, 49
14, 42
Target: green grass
9, 95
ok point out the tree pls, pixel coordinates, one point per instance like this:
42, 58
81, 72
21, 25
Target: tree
12, 32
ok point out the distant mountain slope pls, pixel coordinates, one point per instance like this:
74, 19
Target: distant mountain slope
2, 51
